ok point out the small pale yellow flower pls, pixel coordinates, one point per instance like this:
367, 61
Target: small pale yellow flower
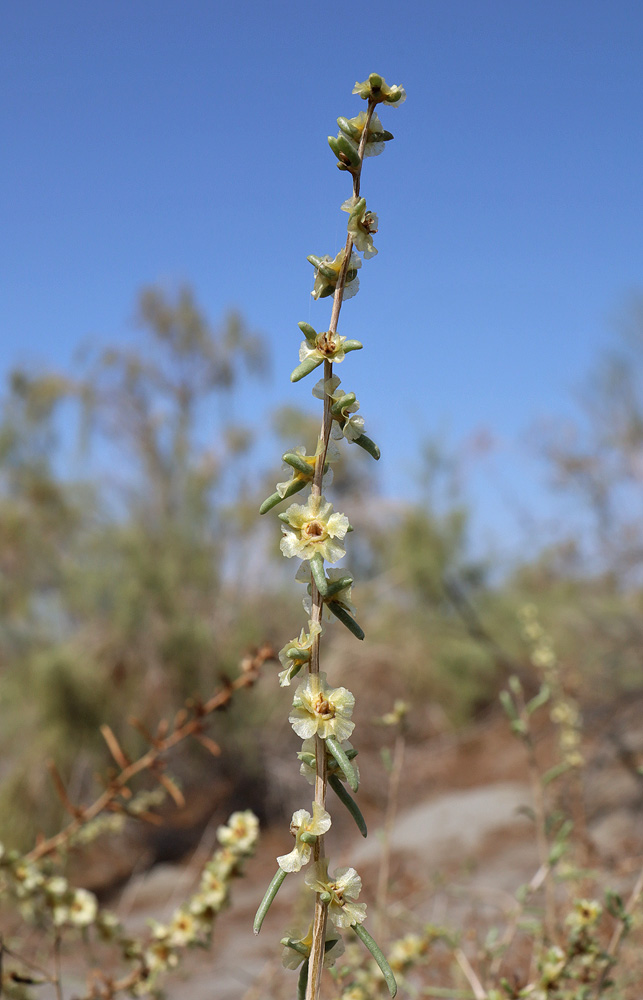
83, 908
343, 887
325, 284
160, 956
553, 963
346, 424
406, 951
362, 224
182, 930
303, 822
377, 89
292, 665
328, 346
585, 913
322, 710
312, 528
240, 833
213, 889
292, 958
376, 138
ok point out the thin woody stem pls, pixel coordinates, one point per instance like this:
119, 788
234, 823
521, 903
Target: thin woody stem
316, 960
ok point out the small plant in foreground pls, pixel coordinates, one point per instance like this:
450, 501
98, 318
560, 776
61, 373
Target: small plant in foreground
313, 532
43, 904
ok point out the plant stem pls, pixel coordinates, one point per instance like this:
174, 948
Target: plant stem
316, 961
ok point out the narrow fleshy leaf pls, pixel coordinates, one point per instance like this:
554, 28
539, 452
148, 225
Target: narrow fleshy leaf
302, 982
298, 654
374, 949
307, 366
347, 400
297, 946
334, 145
309, 332
507, 703
337, 585
365, 442
295, 461
343, 761
348, 128
348, 150
352, 345
538, 700
294, 487
349, 802
328, 271
346, 619
266, 902
319, 574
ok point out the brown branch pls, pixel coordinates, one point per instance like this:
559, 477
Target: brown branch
250, 667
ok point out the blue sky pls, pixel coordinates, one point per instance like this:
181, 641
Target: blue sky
153, 141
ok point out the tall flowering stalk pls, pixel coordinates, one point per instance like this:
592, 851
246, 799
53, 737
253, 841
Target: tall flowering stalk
313, 532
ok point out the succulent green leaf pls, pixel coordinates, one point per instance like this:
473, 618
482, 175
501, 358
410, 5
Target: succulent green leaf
375, 951
347, 400
298, 654
346, 619
347, 148
352, 345
337, 585
266, 902
305, 368
297, 946
334, 145
294, 487
507, 703
349, 802
302, 982
297, 462
348, 128
365, 442
318, 573
538, 700
343, 761
309, 332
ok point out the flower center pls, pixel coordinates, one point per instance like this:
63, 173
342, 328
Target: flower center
314, 530
323, 708
338, 894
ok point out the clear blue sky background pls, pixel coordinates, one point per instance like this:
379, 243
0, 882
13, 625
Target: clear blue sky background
146, 141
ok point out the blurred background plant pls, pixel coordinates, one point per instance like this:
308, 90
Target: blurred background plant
128, 537
133, 576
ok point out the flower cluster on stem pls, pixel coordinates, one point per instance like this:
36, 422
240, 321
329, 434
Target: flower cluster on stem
316, 534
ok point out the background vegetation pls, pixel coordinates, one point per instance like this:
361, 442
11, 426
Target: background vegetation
134, 567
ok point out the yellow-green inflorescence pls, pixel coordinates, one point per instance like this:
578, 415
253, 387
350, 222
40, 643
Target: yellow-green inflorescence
315, 533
